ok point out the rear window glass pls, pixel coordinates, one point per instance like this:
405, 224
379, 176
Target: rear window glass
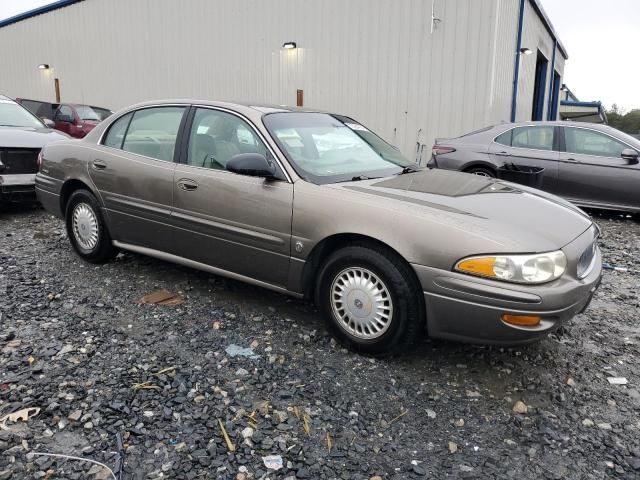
153, 132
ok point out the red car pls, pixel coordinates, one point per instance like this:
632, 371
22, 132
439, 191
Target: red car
74, 119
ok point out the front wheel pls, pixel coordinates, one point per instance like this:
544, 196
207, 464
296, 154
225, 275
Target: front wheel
370, 300
481, 172
86, 228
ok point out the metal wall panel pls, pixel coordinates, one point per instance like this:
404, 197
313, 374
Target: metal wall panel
376, 60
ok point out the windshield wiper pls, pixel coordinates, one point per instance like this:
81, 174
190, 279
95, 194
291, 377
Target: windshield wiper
408, 169
362, 177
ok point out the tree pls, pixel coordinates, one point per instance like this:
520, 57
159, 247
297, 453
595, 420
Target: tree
628, 122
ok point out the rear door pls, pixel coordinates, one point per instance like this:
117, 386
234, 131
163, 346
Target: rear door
133, 171
237, 223
593, 172
530, 145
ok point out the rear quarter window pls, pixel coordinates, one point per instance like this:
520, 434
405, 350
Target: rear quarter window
115, 135
505, 138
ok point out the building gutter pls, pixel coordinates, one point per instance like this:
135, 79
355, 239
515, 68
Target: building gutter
516, 68
37, 11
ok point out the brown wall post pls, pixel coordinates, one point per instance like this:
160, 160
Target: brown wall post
299, 98
56, 84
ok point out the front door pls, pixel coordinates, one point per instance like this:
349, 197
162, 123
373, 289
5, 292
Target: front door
63, 119
532, 146
237, 223
593, 172
133, 171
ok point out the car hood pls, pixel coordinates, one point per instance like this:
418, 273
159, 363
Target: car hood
506, 216
28, 137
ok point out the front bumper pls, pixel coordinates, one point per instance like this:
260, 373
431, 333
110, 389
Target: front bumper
464, 308
14, 188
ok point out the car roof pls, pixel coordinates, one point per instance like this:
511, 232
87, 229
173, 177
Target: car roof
6, 99
263, 108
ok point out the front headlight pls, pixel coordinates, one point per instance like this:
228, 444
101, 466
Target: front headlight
538, 268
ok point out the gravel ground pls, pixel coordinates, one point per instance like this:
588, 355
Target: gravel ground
76, 343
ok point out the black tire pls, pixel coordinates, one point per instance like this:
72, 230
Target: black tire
481, 171
407, 318
103, 249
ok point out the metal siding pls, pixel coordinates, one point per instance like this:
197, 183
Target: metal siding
375, 60
536, 37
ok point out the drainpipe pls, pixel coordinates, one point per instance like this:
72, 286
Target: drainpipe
516, 69
552, 83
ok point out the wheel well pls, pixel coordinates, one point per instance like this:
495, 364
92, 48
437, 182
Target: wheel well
331, 244
486, 166
68, 188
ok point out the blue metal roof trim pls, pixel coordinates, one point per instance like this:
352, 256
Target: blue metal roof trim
547, 23
570, 103
37, 11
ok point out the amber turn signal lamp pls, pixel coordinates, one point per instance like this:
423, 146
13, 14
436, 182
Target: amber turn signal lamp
478, 266
522, 320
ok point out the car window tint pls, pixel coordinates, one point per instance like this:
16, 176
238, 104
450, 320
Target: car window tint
537, 138
505, 138
153, 132
588, 142
115, 136
217, 136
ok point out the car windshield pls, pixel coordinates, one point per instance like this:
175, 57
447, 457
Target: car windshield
327, 148
14, 115
85, 112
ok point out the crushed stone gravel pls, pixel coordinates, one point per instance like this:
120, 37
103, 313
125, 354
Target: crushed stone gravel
235, 374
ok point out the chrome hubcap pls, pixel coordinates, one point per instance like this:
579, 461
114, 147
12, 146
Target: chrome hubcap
85, 226
361, 303
480, 173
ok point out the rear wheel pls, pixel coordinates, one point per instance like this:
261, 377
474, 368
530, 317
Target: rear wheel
86, 228
482, 172
370, 300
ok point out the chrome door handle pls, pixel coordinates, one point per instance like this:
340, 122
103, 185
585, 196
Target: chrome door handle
503, 154
99, 165
187, 185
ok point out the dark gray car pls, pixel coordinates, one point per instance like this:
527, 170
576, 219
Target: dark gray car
22, 136
590, 165
315, 204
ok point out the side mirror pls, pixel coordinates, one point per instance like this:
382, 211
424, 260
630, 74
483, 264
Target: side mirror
48, 122
630, 155
252, 164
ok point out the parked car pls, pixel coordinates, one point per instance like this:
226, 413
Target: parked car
314, 204
590, 165
22, 136
74, 119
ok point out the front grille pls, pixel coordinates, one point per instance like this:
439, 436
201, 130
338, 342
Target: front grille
587, 260
14, 161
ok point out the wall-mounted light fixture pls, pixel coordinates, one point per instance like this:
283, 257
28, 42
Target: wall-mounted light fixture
564, 88
526, 51
43, 66
289, 45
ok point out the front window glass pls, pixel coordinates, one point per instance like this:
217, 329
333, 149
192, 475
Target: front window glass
14, 115
588, 142
217, 136
85, 112
537, 138
153, 132
327, 148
